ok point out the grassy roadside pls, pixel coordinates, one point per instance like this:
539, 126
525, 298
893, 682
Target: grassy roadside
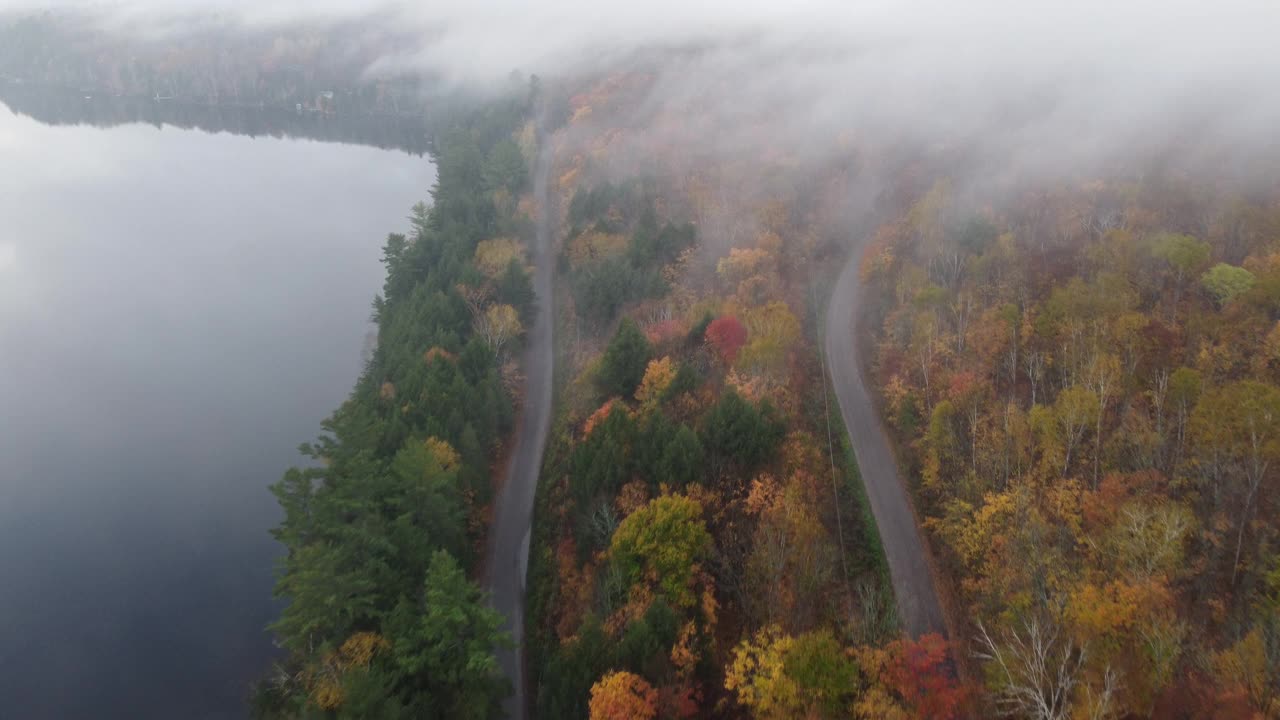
861, 529
540, 585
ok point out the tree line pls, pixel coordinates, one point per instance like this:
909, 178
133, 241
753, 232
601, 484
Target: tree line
381, 530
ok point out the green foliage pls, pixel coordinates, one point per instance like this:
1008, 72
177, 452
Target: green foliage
601, 463
736, 433
624, 361
1227, 282
653, 246
682, 458
668, 454
609, 206
376, 532
825, 675
976, 234
1184, 253
686, 380
564, 686
443, 647
698, 332
663, 540
646, 643
504, 168
515, 288
600, 289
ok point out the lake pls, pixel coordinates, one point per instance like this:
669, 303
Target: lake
178, 311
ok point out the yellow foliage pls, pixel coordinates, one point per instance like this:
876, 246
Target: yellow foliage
444, 453
527, 139
763, 494
623, 696
327, 693
1104, 611
493, 256
710, 606
970, 532
632, 497
498, 324
657, 377
569, 177
773, 331
580, 115
359, 649
684, 654
355, 653
1244, 668
590, 246
774, 319
750, 387
742, 263
758, 675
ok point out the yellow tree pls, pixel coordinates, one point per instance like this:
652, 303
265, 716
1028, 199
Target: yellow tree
1245, 668
773, 331
663, 542
758, 675
498, 325
623, 696
494, 256
657, 377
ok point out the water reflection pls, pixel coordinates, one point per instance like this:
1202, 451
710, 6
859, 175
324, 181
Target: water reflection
177, 312
64, 106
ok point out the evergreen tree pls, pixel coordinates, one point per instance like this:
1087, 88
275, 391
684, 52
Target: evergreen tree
624, 361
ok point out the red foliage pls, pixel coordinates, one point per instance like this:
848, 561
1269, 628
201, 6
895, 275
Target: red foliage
680, 700
664, 331
921, 674
727, 335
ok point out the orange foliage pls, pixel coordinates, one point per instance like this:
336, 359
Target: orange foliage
920, 674
623, 696
598, 416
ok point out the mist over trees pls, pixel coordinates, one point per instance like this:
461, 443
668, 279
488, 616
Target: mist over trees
1068, 230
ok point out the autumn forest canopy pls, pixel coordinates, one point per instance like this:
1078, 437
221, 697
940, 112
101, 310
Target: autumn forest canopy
1062, 271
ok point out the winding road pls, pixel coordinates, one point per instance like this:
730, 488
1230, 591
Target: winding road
918, 606
513, 511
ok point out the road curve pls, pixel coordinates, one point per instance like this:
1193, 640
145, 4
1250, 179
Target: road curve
513, 508
918, 606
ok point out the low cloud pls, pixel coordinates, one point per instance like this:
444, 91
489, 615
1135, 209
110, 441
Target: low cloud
1030, 86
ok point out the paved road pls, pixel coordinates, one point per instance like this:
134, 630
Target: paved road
918, 606
513, 511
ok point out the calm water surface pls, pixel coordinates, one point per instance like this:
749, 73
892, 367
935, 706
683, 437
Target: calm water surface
178, 310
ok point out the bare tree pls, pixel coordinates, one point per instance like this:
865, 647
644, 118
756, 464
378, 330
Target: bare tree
1035, 362
1037, 670
1101, 376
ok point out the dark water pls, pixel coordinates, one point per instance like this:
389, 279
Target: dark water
178, 311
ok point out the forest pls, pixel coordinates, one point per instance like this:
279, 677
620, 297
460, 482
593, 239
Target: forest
384, 527
316, 68
1079, 376
1083, 385
1080, 380
702, 545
